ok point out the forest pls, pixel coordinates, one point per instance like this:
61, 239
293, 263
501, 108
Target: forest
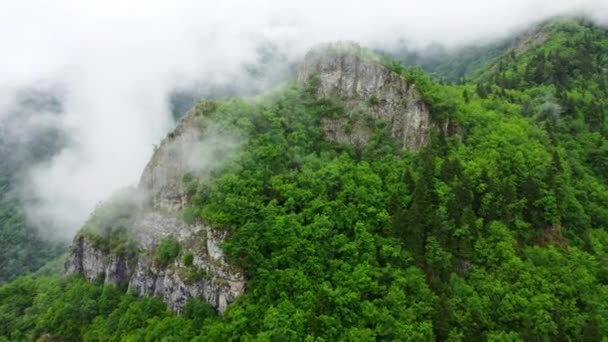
499, 233
22, 249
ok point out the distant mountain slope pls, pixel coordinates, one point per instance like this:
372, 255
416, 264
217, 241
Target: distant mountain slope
494, 230
22, 249
451, 65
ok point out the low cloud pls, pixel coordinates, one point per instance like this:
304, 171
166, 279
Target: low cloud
116, 63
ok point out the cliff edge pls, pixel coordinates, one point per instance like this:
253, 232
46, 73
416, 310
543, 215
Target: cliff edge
349, 74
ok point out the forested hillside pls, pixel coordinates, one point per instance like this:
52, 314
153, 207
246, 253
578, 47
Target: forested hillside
451, 65
496, 232
22, 249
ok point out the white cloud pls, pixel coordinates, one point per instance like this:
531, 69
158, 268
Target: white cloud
118, 60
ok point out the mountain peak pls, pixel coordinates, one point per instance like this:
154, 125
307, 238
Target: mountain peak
355, 77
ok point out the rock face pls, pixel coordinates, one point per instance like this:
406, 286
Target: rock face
96, 264
526, 40
359, 84
363, 85
210, 276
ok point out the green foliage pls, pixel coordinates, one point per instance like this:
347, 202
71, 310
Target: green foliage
313, 84
189, 215
167, 250
499, 234
198, 311
188, 259
108, 225
441, 100
194, 274
452, 65
23, 248
373, 101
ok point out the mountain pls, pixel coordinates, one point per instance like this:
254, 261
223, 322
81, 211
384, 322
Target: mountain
154, 215
341, 71
451, 65
149, 218
360, 201
22, 249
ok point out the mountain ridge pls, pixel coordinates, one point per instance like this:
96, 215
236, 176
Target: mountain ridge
165, 195
498, 232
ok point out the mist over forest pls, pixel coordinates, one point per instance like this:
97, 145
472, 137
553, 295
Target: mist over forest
369, 170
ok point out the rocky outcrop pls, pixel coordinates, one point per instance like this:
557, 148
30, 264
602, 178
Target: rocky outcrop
342, 72
527, 40
210, 276
161, 180
360, 84
94, 263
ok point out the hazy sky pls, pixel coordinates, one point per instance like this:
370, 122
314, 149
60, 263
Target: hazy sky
116, 60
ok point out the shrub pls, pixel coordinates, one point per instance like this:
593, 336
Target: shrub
188, 259
190, 214
167, 250
195, 274
373, 101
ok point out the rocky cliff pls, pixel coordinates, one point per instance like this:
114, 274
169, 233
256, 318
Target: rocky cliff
157, 217
359, 84
345, 72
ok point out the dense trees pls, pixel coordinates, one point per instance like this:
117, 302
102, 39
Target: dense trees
22, 248
496, 234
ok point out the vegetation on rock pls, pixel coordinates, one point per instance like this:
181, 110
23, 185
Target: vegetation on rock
501, 234
167, 250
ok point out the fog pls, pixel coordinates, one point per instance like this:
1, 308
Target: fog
115, 63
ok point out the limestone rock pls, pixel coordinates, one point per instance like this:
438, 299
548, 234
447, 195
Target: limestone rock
85, 259
364, 85
210, 277
360, 84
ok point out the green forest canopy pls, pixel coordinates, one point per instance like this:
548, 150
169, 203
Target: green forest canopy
499, 234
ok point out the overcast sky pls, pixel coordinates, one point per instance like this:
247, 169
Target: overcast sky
116, 60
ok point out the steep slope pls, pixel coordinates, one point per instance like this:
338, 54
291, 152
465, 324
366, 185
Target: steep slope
341, 71
498, 234
162, 194
157, 205
451, 65
560, 81
27, 138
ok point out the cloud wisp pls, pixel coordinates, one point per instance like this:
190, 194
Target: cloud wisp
116, 62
